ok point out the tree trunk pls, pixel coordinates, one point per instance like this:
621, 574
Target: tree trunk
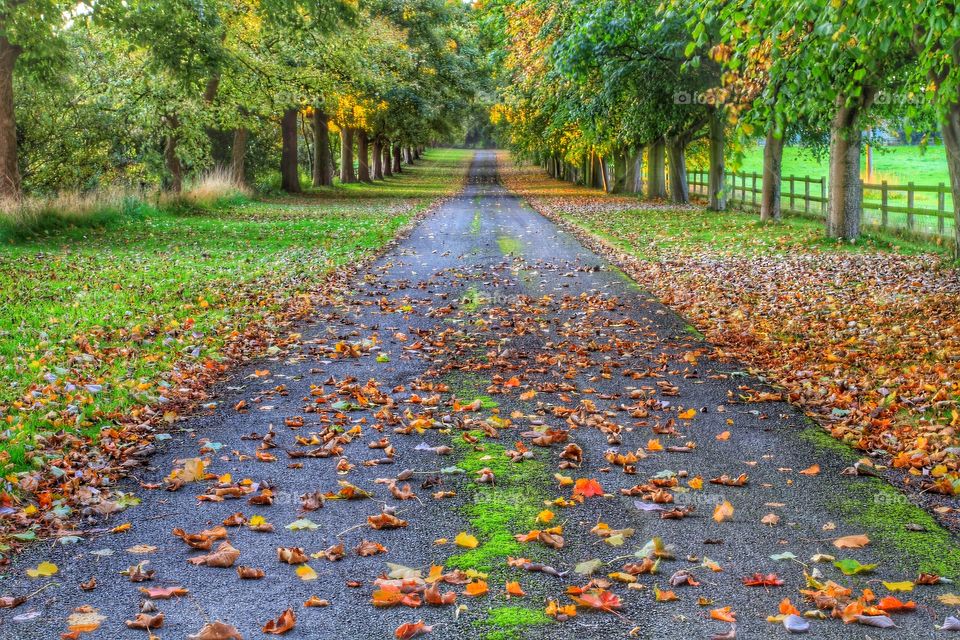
656, 178
619, 171
363, 156
397, 158
170, 157
289, 170
416, 153
377, 153
772, 177
633, 180
9, 165
387, 160
676, 154
718, 174
347, 176
846, 188
951, 143
322, 158
604, 180
409, 155
238, 155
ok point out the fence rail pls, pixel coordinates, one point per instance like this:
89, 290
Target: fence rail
922, 209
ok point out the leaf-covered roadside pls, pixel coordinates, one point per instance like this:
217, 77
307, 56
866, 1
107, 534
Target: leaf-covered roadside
866, 341
109, 335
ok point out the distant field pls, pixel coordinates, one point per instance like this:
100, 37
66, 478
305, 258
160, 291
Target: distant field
896, 165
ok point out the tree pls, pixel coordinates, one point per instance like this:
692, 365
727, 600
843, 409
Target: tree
28, 38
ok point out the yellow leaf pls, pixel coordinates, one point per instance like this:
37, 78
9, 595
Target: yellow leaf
43, 570
654, 445
306, 572
466, 540
949, 599
688, 414
695, 483
723, 511
906, 585
545, 516
565, 481
120, 528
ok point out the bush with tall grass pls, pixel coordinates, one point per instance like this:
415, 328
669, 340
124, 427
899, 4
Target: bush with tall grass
33, 216
211, 190
39, 215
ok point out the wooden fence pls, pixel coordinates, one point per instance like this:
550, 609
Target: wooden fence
921, 209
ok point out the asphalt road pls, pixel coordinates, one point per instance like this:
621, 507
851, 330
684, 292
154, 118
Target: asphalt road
484, 290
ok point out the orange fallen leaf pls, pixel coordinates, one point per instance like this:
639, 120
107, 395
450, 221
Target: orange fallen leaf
851, 542
587, 488
724, 614
412, 630
514, 589
477, 588
281, 625
812, 470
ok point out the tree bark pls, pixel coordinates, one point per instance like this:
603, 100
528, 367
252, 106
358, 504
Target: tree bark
397, 158
322, 158
363, 156
846, 188
633, 181
718, 175
377, 153
409, 155
387, 160
9, 164
238, 155
170, 157
347, 176
951, 143
676, 154
772, 177
289, 170
656, 167
620, 161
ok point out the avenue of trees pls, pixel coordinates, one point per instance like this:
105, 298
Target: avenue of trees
149, 93
613, 93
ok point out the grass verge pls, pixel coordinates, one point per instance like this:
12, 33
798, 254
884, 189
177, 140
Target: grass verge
103, 315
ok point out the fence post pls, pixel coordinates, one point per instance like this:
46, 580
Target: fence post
823, 196
910, 206
791, 194
753, 189
806, 194
941, 207
884, 201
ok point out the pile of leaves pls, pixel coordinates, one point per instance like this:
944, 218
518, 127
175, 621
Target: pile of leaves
867, 343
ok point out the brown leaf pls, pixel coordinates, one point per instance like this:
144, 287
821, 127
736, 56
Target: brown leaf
217, 631
145, 621
291, 555
281, 625
225, 556
249, 573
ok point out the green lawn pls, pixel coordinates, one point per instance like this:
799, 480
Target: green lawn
657, 233
895, 164
96, 318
